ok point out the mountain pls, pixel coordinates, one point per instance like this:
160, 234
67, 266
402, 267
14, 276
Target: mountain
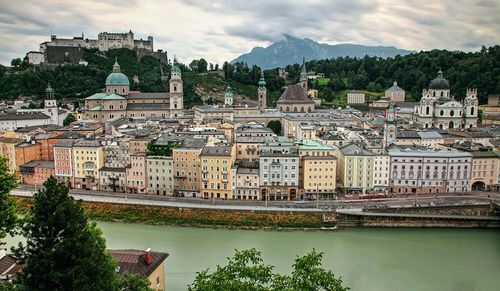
290, 51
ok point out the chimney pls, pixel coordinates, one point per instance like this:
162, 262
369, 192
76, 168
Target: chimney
148, 257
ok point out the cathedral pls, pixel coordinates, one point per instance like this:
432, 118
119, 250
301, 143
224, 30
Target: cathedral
439, 109
119, 101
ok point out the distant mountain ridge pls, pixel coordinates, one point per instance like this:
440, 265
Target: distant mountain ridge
291, 50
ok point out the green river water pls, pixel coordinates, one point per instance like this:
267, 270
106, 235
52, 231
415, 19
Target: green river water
366, 259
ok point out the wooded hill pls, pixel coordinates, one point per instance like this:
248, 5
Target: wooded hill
413, 72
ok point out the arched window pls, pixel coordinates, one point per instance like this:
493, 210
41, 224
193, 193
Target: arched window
426, 125
309, 109
427, 110
302, 109
442, 113
110, 106
440, 126
472, 111
434, 94
295, 109
441, 93
116, 90
452, 113
287, 109
451, 124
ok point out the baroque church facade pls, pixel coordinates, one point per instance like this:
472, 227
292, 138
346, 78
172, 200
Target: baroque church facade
119, 101
439, 109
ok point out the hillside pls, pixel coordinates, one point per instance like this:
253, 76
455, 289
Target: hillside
76, 81
413, 72
291, 50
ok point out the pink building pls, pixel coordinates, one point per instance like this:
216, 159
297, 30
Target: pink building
395, 93
136, 173
36, 172
63, 162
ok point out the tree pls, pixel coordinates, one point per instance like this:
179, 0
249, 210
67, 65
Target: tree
275, 125
63, 250
132, 282
8, 218
69, 119
247, 271
202, 65
16, 62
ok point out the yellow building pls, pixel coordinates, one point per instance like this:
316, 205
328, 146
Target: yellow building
485, 170
8, 150
355, 169
216, 174
319, 175
317, 168
88, 159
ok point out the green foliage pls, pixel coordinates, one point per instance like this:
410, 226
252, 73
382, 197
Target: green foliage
246, 271
8, 218
414, 72
63, 250
275, 125
132, 282
69, 119
161, 150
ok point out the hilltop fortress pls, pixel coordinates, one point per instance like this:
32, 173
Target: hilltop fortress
104, 42
70, 50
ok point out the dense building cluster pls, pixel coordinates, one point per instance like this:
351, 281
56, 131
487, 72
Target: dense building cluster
147, 143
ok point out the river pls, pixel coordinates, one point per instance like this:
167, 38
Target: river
366, 259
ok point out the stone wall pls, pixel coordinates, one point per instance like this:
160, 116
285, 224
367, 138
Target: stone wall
466, 210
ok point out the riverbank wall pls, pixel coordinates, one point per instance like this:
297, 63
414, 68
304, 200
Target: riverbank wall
158, 215
457, 216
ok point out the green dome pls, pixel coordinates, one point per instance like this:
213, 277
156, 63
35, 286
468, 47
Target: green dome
175, 69
117, 79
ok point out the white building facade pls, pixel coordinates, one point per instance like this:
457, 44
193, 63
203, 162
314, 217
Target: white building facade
439, 109
424, 171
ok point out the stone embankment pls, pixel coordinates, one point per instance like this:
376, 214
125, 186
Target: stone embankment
463, 216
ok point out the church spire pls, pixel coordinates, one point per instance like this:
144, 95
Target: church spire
304, 70
116, 66
49, 91
262, 81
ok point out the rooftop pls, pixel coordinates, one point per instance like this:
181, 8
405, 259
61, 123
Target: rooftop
308, 144
394, 150
223, 151
135, 261
11, 115
39, 164
354, 150
87, 143
294, 94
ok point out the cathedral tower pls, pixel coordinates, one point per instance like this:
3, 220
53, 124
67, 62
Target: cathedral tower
176, 91
262, 92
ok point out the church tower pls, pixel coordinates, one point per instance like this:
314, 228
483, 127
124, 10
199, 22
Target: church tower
303, 75
176, 91
262, 92
50, 105
390, 129
470, 108
228, 96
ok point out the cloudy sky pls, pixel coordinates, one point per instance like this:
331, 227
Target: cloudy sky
222, 30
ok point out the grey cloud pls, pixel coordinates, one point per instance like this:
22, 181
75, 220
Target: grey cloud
224, 29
